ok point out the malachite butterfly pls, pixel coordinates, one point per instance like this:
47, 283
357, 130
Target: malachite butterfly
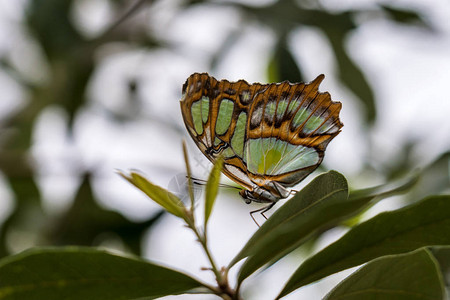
271, 135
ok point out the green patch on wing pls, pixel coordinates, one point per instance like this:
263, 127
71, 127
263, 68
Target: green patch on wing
282, 106
205, 109
228, 152
196, 111
224, 116
237, 141
270, 156
300, 117
312, 124
271, 107
293, 105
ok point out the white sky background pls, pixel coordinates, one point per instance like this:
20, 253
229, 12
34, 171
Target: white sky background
409, 71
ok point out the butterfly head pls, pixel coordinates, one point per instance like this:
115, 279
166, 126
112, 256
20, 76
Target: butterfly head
264, 195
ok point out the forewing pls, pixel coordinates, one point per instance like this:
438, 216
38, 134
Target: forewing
289, 129
216, 116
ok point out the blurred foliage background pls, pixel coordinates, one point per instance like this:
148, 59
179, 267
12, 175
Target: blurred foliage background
70, 116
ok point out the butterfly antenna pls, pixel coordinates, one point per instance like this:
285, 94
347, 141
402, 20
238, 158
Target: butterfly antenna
262, 211
198, 181
203, 182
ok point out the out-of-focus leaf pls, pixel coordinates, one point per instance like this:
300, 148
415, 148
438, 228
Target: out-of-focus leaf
225, 47
283, 66
85, 221
70, 59
310, 209
212, 187
403, 15
84, 273
163, 197
435, 178
336, 28
422, 224
27, 215
363, 199
386, 190
50, 22
280, 16
411, 276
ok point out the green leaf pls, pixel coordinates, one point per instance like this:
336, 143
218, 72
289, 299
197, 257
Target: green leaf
386, 190
27, 214
411, 276
360, 200
434, 178
421, 224
337, 27
363, 199
404, 15
310, 209
351, 75
163, 197
442, 255
283, 66
212, 187
73, 273
86, 222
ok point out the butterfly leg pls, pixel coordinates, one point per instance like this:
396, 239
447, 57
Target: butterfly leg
262, 210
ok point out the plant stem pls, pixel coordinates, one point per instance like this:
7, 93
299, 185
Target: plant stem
202, 241
188, 171
224, 291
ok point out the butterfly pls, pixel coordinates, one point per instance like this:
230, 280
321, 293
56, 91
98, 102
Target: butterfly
271, 136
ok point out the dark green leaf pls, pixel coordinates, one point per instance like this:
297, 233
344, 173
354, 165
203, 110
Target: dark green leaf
442, 255
27, 215
385, 190
86, 221
352, 76
337, 27
283, 66
85, 273
424, 223
434, 178
161, 196
329, 214
310, 209
361, 200
212, 187
50, 22
411, 276
403, 15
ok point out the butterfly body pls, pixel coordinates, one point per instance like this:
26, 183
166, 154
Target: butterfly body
271, 136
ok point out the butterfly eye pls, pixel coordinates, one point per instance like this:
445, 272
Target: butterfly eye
246, 196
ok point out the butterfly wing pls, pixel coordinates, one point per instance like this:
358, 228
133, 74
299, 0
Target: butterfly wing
267, 133
216, 116
289, 129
